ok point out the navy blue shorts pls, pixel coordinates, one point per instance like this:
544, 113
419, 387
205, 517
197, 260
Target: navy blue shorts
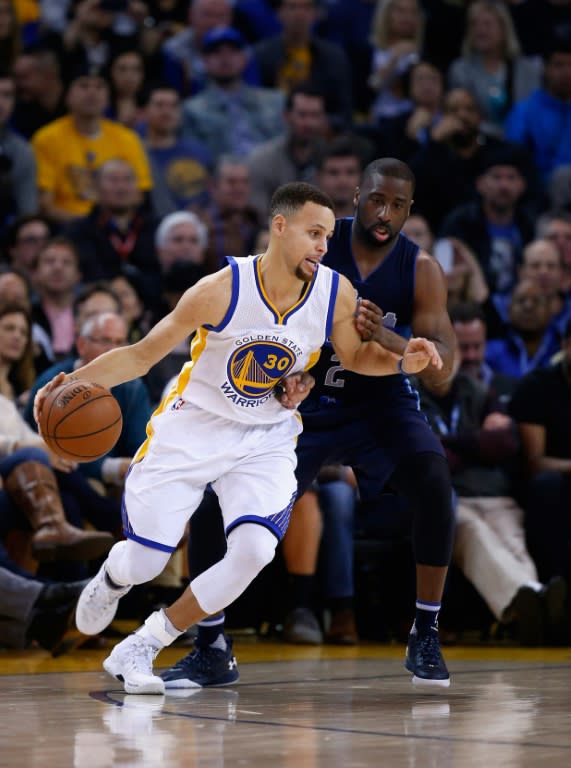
372, 446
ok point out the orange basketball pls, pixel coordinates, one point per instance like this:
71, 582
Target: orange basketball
80, 421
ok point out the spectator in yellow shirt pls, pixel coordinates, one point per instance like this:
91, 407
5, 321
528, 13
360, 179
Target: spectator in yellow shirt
71, 149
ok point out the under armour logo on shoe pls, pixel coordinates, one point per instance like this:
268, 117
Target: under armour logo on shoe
232, 664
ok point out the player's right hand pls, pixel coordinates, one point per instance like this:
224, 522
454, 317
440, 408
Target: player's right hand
42, 393
368, 320
418, 354
294, 389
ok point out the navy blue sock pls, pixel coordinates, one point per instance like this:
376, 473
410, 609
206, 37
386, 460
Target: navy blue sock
426, 616
211, 632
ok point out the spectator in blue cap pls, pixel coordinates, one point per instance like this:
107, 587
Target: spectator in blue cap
230, 116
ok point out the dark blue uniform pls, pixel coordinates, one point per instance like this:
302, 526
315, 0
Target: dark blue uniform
367, 422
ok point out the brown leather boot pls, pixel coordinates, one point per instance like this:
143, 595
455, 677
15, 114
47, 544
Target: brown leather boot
32, 486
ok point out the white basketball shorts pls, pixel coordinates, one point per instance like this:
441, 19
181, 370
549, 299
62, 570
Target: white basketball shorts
251, 469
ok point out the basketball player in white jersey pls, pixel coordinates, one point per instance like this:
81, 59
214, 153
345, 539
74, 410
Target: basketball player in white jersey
257, 321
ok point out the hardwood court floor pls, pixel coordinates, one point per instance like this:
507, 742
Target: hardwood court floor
293, 708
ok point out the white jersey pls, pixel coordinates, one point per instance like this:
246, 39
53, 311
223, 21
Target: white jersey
234, 366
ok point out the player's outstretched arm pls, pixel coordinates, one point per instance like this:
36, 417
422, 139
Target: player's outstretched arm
430, 317
204, 303
369, 357
430, 320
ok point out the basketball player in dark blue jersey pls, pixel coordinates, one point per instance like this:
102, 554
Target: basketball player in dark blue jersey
372, 424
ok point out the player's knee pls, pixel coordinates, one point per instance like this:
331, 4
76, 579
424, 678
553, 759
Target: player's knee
252, 545
132, 563
429, 487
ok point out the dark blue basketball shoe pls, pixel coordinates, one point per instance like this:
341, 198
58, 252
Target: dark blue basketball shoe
424, 660
203, 667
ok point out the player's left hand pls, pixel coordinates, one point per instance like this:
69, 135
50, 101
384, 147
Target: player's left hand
418, 354
368, 319
293, 390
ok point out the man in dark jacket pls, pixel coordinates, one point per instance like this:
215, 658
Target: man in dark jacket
496, 226
117, 235
296, 56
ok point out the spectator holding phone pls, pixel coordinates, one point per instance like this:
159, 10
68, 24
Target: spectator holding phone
466, 281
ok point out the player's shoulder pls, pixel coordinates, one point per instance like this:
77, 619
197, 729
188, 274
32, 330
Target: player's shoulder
427, 265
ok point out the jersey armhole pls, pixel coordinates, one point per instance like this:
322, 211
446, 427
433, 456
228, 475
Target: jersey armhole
233, 298
332, 300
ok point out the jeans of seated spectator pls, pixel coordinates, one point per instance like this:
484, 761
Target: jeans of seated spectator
8, 463
338, 502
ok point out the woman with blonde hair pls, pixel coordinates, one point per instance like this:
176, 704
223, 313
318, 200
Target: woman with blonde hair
491, 65
397, 34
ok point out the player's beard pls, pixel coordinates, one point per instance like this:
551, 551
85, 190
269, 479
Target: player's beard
366, 236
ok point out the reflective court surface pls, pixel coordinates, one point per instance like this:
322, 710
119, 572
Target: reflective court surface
293, 708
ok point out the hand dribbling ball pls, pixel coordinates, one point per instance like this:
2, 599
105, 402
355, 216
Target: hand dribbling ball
80, 421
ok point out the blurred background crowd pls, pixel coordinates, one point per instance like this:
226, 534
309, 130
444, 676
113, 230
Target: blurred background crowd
140, 144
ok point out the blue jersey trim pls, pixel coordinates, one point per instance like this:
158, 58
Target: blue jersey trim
130, 533
332, 300
269, 524
148, 542
233, 298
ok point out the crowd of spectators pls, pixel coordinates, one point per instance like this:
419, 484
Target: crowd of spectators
140, 144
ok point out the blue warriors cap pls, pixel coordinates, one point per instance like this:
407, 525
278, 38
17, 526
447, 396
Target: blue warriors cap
222, 36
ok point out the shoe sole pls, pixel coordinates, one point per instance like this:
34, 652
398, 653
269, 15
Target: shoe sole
186, 683
153, 687
423, 682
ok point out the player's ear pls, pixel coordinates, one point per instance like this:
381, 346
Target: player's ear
356, 196
279, 223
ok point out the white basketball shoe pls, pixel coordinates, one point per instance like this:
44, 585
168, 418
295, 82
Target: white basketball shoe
97, 604
131, 662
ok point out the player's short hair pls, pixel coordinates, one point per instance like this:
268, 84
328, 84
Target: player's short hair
389, 166
289, 198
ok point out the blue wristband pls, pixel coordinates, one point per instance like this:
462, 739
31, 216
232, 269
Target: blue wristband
400, 368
